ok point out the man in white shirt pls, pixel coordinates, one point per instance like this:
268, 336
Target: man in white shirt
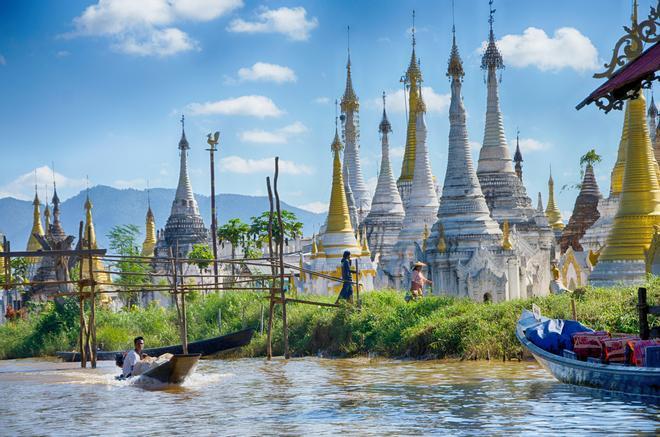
132, 357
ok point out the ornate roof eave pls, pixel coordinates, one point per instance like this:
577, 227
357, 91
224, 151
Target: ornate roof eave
637, 69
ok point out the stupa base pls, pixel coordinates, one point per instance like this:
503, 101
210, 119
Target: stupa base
610, 273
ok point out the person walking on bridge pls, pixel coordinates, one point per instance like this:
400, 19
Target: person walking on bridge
347, 278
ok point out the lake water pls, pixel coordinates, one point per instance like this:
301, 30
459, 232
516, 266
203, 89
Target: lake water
313, 396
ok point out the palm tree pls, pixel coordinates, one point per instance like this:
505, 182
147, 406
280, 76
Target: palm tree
234, 232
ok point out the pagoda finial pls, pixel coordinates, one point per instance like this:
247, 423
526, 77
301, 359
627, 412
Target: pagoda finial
384, 127
349, 101
413, 29
517, 156
455, 65
492, 59
183, 143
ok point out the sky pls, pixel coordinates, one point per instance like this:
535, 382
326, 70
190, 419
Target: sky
97, 88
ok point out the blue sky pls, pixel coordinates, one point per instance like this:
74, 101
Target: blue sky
98, 87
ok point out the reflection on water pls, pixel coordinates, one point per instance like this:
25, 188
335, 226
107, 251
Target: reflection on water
313, 396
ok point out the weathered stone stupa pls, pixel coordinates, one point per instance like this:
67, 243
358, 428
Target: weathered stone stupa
624, 256
585, 212
420, 211
350, 107
185, 226
464, 251
338, 237
385, 219
412, 81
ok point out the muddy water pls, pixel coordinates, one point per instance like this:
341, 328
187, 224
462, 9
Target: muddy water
313, 397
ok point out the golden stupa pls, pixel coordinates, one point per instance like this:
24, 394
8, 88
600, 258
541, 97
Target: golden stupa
33, 245
551, 210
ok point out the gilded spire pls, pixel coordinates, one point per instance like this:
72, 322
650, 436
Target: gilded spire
455, 64
37, 229
338, 217
551, 210
616, 179
349, 101
412, 81
639, 204
90, 241
149, 243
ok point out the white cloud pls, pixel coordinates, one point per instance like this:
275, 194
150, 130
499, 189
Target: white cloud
567, 48
62, 54
317, 207
474, 145
237, 164
23, 186
322, 100
143, 27
264, 72
291, 22
3, 61
165, 42
530, 145
397, 101
397, 152
251, 106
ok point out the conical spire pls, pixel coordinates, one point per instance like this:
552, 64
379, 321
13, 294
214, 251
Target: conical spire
350, 199
585, 212
47, 220
423, 190
349, 101
639, 205
551, 210
517, 157
184, 200
338, 217
494, 154
412, 81
90, 241
149, 243
56, 230
539, 205
463, 212
37, 229
616, 179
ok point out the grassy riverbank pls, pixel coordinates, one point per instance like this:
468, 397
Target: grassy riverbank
386, 325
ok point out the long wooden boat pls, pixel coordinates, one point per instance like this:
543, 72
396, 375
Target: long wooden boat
205, 347
174, 371
643, 381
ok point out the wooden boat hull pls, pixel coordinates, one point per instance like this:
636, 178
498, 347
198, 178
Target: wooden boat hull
643, 381
206, 347
174, 371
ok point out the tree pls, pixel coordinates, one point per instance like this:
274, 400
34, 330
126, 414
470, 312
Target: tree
123, 241
259, 229
588, 159
201, 252
236, 233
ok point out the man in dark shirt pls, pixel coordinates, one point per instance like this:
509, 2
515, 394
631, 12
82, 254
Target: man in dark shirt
346, 276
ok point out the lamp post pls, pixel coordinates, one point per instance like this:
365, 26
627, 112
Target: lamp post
212, 140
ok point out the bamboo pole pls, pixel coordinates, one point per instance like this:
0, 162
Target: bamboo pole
184, 318
357, 283
81, 301
92, 299
214, 217
269, 334
285, 326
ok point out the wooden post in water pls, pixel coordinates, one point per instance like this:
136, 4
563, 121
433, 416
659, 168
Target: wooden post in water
184, 318
92, 299
269, 334
81, 289
285, 327
642, 309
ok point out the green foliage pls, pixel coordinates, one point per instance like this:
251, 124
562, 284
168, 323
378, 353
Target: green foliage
590, 158
201, 252
435, 326
236, 233
123, 241
259, 228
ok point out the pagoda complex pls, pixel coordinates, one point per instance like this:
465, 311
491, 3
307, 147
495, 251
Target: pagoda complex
350, 107
185, 226
385, 218
467, 252
585, 212
624, 257
420, 211
412, 81
501, 183
337, 237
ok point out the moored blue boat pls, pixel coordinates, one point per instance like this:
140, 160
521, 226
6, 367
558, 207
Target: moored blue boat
643, 381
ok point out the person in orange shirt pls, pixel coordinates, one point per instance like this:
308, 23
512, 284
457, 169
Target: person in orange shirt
418, 281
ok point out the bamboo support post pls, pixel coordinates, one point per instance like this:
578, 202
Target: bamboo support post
285, 325
573, 309
357, 283
92, 299
81, 301
269, 334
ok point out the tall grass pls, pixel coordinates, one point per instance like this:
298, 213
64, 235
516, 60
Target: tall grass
436, 326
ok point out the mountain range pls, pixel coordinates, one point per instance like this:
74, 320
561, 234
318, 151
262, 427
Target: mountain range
113, 206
